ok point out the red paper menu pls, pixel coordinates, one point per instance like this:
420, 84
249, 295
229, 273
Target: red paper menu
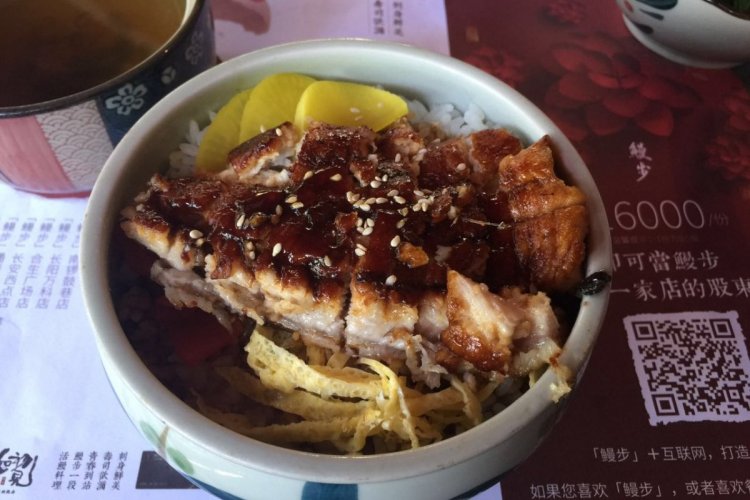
664, 406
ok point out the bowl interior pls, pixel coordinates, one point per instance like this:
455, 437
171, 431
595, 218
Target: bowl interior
411, 72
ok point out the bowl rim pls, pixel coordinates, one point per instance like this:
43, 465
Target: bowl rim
305, 465
193, 9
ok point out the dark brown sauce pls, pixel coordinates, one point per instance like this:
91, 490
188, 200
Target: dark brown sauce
315, 244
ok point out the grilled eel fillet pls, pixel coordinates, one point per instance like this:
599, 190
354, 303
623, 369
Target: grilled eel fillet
385, 245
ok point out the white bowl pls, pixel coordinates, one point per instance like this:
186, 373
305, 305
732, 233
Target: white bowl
700, 33
239, 466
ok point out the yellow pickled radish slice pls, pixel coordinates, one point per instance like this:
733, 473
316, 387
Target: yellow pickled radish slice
273, 101
221, 135
350, 104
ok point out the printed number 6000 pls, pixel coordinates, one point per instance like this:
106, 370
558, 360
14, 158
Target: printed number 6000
668, 213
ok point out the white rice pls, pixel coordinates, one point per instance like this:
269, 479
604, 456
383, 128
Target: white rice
182, 160
448, 118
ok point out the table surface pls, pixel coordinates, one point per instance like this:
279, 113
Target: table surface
663, 409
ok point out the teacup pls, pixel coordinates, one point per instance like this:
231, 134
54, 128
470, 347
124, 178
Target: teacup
57, 144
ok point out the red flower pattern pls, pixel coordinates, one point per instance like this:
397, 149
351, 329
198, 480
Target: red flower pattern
501, 64
729, 151
601, 89
566, 11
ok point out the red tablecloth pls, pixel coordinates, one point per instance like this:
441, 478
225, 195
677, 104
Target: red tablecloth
664, 406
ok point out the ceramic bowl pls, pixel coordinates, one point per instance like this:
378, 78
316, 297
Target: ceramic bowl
58, 147
236, 466
700, 33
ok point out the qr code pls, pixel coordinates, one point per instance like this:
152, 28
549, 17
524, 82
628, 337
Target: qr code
691, 366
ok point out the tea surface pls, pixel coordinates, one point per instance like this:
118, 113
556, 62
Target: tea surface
53, 48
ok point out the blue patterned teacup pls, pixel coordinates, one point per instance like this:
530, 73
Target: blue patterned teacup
58, 147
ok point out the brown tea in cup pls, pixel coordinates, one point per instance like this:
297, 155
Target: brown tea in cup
54, 48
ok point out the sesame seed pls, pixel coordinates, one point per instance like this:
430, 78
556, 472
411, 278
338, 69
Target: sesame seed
359, 229
139, 207
352, 197
240, 221
336, 177
200, 241
373, 158
395, 241
422, 151
392, 193
278, 209
461, 167
291, 198
418, 192
370, 222
307, 175
251, 255
262, 128
380, 200
397, 158
367, 231
361, 246
297, 204
249, 245
370, 201
365, 207
401, 223
452, 212
327, 261
276, 249
360, 222
399, 199
195, 234
391, 280
375, 184
359, 252
416, 207
385, 178
278, 131
404, 211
